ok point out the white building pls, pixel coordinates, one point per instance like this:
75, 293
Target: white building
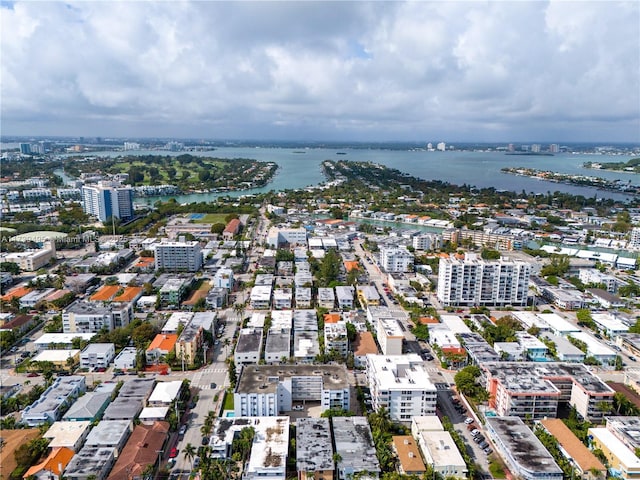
396, 259
427, 241
400, 384
106, 200
97, 355
473, 281
54, 401
89, 317
178, 256
268, 390
260, 297
335, 338
223, 278
268, 458
345, 295
390, 336
286, 236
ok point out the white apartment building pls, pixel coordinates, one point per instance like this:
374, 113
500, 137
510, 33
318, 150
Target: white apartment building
427, 241
106, 200
473, 281
286, 236
396, 259
335, 338
223, 278
592, 275
268, 390
97, 355
178, 256
401, 385
89, 317
390, 336
345, 295
260, 297
326, 298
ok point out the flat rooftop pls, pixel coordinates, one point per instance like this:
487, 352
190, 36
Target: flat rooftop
523, 446
537, 376
314, 450
258, 378
249, 340
354, 444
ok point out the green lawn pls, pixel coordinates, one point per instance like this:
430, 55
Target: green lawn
496, 469
212, 218
228, 401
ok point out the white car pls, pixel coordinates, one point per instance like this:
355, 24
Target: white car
298, 408
468, 420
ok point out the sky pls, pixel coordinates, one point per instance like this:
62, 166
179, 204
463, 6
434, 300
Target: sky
332, 70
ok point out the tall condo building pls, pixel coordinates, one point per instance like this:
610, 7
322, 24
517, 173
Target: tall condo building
178, 256
473, 281
106, 200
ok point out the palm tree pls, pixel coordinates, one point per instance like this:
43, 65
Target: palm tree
189, 453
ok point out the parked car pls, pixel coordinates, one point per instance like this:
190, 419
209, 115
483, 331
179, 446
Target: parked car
484, 445
205, 441
488, 451
475, 432
183, 430
173, 453
196, 462
32, 374
298, 408
468, 420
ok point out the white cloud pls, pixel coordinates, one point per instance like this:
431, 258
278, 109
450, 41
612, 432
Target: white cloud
323, 70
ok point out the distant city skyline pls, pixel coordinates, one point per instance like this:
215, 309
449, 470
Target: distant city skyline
459, 72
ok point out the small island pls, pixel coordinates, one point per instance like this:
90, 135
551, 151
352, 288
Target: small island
631, 166
580, 180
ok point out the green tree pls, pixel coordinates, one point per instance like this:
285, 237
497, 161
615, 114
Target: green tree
218, 228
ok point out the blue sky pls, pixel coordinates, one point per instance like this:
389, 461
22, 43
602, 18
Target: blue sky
456, 71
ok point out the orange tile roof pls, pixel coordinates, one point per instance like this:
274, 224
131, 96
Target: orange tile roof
428, 320
145, 262
105, 294
129, 294
164, 342
408, 454
17, 292
233, 226
331, 317
364, 344
351, 265
55, 463
572, 445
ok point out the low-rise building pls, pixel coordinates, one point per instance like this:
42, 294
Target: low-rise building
248, 346
441, 453
160, 346
268, 390
90, 463
51, 468
260, 297
587, 464
282, 298
409, 458
126, 359
314, 449
54, 401
165, 393
535, 389
356, 452
401, 385
303, 297
69, 435
88, 407
622, 460
335, 338
344, 296
390, 336
144, 447
268, 458
278, 345
521, 450
97, 355
363, 345
326, 298
109, 434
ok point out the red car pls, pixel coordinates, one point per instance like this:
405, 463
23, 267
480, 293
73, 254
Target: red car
173, 453
32, 374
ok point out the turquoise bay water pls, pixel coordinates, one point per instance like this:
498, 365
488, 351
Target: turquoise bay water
480, 169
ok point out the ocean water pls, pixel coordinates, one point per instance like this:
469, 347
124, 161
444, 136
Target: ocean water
479, 169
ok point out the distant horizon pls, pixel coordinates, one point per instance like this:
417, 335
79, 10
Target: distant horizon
250, 141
